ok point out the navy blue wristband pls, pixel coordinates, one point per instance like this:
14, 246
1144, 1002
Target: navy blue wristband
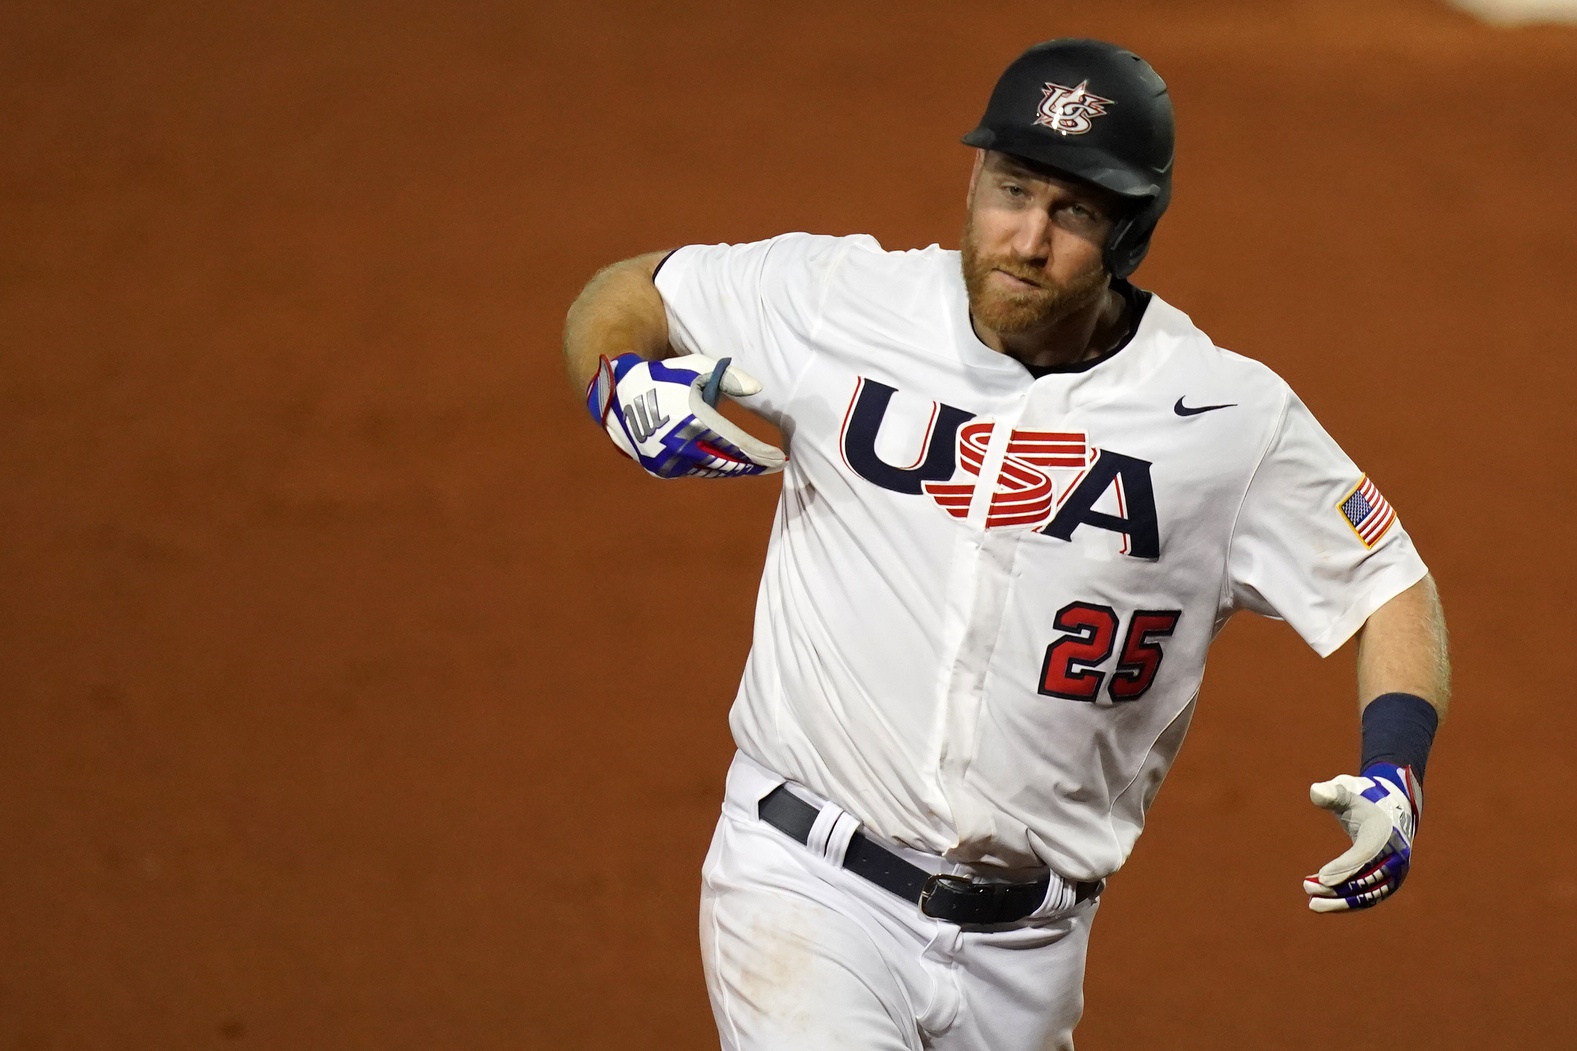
1398, 728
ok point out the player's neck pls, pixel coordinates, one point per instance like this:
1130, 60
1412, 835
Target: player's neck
1084, 334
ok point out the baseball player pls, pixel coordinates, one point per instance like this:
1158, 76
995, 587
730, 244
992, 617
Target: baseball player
1020, 497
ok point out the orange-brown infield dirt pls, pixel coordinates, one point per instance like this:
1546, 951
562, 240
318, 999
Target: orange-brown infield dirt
356, 694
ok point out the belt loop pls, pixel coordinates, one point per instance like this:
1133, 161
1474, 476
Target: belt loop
830, 834
1061, 895
838, 840
816, 841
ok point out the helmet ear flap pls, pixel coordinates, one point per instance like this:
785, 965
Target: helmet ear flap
1130, 239
1129, 243
1118, 255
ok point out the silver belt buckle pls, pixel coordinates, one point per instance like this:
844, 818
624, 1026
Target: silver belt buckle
935, 881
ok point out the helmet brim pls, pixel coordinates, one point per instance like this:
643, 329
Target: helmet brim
1076, 160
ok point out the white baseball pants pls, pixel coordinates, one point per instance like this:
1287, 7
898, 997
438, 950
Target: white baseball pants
803, 955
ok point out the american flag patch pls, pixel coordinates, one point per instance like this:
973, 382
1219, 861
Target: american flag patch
1367, 512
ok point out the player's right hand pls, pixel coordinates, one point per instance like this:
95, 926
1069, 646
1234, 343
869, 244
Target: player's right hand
663, 415
1379, 810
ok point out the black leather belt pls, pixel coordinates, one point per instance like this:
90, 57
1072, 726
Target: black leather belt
943, 896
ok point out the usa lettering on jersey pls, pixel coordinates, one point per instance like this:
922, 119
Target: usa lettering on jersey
1051, 481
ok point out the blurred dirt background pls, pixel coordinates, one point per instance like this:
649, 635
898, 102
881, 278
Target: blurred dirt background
333, 711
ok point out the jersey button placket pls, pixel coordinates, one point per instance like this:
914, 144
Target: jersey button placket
977, 594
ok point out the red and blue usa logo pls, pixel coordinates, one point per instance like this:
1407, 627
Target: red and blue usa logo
1052, 482
1026, 490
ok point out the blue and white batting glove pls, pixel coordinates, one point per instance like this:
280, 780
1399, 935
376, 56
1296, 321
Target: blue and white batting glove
663, 415
1379, 809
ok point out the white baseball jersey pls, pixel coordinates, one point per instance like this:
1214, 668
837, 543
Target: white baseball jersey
988, 597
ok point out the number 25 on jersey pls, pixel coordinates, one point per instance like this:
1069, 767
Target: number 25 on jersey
1073, 662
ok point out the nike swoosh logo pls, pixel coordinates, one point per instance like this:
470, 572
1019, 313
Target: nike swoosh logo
1184, 410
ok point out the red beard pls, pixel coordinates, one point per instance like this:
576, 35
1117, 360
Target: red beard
1013, 312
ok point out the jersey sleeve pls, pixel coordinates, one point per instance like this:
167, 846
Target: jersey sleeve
1315, 543
758, 303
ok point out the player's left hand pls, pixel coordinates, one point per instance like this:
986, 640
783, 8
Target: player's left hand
1379, 809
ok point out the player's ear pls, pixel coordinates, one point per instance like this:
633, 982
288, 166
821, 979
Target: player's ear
974, 178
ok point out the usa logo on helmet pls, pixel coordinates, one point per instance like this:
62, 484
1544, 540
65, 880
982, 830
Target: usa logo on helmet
1070, 111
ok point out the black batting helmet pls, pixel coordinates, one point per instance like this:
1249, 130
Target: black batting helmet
1096, 112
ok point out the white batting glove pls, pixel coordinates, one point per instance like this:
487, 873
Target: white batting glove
663, 415
1379, 809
